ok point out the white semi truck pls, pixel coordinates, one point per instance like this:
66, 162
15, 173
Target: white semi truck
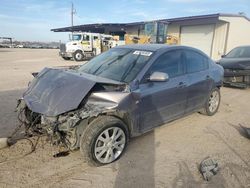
84, 45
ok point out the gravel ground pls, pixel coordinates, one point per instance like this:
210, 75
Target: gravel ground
166, 157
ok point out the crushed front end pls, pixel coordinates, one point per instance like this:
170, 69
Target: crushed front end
63, 129
237, 77
60, 104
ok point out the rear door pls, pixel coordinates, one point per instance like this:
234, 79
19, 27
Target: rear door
163, 101
199, 79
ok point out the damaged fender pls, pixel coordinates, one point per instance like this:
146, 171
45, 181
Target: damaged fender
56, 91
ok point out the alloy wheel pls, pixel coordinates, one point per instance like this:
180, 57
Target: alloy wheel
214, 101
109, 145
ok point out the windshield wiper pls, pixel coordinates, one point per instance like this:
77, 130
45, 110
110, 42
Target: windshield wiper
110, 63
125, 74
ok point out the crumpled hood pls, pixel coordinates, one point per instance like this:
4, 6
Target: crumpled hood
235, 63
56, 91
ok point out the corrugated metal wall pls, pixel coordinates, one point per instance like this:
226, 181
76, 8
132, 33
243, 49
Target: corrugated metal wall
239, 32
219, 41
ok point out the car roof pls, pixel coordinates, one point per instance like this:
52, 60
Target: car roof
155, 47
244, 46
149, 47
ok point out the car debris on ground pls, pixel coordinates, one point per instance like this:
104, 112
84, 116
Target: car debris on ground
208, 168
3, 143
246, 131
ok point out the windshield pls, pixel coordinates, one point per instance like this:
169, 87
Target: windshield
117, 64
240, 52
76, 37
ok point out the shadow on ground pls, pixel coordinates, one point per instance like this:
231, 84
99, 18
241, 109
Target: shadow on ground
8, 116
136, 166
5, 51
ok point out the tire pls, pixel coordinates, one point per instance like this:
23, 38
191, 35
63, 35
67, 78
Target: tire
78, 55
99, 149
66, 58
213, 102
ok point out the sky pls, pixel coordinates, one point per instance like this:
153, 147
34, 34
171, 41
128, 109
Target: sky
31, 20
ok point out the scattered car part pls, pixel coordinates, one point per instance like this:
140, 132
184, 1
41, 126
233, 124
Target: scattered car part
119, 93
208, 168
3, 143
7, 142
61, 154
246, 131
236, 66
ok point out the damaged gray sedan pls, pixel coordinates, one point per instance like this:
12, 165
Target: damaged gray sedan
120, 94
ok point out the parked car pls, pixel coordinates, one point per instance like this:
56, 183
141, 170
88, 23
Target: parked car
120, 94
237, 67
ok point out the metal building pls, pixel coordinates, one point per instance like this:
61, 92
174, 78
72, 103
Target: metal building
214, 34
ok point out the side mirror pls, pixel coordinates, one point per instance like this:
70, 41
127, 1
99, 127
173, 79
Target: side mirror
223, 56
158, 77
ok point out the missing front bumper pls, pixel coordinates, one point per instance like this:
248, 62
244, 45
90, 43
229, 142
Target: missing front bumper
237, 81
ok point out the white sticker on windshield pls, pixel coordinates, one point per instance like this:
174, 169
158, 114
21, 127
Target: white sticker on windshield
145, 53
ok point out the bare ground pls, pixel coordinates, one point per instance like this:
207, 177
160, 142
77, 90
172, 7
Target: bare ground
166, 157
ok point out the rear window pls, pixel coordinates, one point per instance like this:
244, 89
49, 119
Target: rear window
196, 62
170, 63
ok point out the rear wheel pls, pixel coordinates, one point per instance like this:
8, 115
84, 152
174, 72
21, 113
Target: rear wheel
78, 56
104, 140
212, 103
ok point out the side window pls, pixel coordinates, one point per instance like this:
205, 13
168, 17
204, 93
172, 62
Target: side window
195, 62
170, 63
85, 38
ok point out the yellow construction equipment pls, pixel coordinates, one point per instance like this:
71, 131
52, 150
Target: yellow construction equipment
172, 40
133, 39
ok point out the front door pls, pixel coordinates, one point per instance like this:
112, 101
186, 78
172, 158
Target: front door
163, 101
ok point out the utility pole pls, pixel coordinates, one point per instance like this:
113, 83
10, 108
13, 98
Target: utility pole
73, 11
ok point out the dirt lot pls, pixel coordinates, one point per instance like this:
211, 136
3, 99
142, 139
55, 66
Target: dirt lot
166, 157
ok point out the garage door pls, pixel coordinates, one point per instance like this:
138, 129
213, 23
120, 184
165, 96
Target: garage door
200, 36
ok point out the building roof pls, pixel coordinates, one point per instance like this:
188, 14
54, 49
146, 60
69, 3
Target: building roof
207, 16
102, 27
91, 27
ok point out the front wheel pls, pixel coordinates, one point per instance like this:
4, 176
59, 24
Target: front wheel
78, 56
104, 140
212, 103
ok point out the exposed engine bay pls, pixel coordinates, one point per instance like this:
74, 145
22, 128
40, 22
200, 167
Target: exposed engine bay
237, 77
44, 110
